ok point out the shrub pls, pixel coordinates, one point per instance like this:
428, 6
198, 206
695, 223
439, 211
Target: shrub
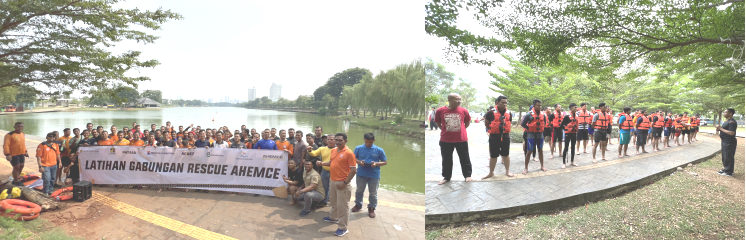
399, 119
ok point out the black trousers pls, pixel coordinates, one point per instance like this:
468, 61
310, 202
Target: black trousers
433, 125
728, 152
570, 139
75, 171
446, 151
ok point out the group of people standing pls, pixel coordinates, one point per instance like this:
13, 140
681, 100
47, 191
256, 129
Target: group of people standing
320, 167
573, 126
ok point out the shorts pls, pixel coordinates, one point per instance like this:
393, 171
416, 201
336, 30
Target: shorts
696, 129
650, 130
656, 132
19, 159
547, 132
667, 131
582, 135
685, 132
590, 131
557, 134
678, 132
66, 161
599, 135
499, 148
624, 138
642, 137
534, 139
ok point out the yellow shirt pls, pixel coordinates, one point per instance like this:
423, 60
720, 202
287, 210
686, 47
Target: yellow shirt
122, 142
326, 154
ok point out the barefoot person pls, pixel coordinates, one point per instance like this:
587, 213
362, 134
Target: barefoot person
556, 118
14, 149
694, 127
642, 126
599, 124
534, 124
570, 125
625, 127
584, 121
667, 130
453, 121
499, 122
728, 142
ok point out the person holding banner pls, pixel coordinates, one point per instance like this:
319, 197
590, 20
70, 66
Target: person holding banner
311, 191
136, 141
342, 169
121, 141
105, 141
265, 143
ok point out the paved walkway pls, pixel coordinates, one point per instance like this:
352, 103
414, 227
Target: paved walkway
124, 213
502, 196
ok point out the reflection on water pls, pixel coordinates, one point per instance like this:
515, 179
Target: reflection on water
405, 171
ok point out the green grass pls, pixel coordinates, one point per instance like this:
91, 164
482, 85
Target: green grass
37, 229
712, 128
680, 206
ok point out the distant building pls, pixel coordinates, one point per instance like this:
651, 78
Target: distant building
63, 102
252, 94
275, 92
179, 97
209, 100
146, 102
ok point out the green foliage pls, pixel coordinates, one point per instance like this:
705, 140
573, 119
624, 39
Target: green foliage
399, 119
8, 95
26, 94
59, 46
154, 95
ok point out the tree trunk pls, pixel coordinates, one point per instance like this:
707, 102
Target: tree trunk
34, 196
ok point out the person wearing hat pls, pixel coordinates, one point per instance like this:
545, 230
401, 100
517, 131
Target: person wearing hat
48, 158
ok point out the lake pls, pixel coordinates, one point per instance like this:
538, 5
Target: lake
405, 171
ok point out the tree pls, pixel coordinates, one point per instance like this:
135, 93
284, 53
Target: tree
8, 95
592, 33
60, 46
126, 95
348, 77
154, 95
265, 101
26, 94
467, 92
437, 77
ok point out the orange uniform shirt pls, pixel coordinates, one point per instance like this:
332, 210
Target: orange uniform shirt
285, 146
137, 143
14, 144
123, 142
341, 161
114, 137
48, 154
108, 142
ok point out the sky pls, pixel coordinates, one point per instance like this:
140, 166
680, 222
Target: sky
476, 73
223, 48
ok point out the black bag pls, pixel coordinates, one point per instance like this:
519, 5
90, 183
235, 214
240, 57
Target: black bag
82, 191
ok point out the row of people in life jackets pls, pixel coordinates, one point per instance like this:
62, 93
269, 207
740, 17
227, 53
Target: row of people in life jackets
541, 121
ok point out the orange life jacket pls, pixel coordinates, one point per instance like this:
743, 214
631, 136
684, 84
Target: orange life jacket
536, 125
557, 120
695, 121
645, 123
602, 123
668, 123
584, 117
659, 123
677, 123
547, 124
627, 124
572, 127
500, 122
685, 120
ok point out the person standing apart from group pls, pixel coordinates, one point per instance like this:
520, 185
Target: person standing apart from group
453, 121
599, 124
14, 149
728, 142
499, 121
432, 120
533, 122
369, 160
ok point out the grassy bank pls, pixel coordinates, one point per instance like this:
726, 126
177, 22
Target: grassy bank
680, 206
410, 128
37, 229
111, 109
712, 128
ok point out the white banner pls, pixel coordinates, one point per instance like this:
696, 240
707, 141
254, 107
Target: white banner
233, 170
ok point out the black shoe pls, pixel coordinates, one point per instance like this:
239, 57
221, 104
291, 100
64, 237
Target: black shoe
727, 174
720, 172
256, 195
56, 185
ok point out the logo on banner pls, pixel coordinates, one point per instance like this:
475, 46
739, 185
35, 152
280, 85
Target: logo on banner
113, 151
129, 152
244, 156
208, 154
185, 153
148, 153
272, 157
158, 152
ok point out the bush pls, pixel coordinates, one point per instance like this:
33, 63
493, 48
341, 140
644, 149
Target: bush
399, 119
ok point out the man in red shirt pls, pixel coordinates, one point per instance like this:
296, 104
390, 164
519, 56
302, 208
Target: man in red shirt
453, 121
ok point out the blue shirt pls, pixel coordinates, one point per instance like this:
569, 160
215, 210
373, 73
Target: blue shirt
200, 143
368, 155
621, 120
265, 144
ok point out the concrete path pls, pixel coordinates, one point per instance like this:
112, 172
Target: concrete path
124, 213
503, 196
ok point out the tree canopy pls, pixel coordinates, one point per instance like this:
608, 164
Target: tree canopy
57, 46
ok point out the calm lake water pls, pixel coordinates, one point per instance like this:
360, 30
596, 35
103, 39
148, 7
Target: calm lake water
406, 156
